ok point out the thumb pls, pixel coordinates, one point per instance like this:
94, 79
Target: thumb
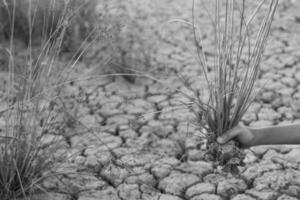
228, 135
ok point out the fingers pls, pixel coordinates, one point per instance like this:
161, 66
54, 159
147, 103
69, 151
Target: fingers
229, 135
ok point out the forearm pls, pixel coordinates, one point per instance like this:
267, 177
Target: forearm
285, 134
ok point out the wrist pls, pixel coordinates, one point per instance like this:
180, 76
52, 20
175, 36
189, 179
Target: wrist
257, 137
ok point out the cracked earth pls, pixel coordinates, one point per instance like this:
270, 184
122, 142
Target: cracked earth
135, 142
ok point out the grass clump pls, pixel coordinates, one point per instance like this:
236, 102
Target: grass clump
28, 153
231, 73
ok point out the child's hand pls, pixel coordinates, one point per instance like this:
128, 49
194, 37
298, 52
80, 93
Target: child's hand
241, 133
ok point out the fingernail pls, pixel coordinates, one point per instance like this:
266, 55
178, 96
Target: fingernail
220, 140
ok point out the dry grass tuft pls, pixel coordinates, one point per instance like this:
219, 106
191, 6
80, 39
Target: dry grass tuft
231, 77
27, 153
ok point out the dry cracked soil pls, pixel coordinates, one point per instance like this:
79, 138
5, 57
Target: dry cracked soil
144, 148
